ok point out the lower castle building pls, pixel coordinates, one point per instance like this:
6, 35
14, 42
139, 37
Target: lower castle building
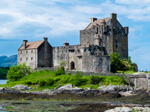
97, 41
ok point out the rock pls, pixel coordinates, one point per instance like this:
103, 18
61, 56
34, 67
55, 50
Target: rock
117, 88
21, 87
68, 87
127, 93
46, 90
127, 109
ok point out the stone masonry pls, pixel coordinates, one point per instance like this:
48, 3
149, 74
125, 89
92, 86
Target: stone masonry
97, 41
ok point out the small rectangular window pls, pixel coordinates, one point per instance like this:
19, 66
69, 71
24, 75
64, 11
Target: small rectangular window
31, 51
26, 59
31, 58
21, 52
20, 59
26, 52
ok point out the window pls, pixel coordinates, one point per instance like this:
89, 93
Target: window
20, 59
97, 30
78, 51
21, 52
26, 52
26, 59
31, 51
116, 44
31, 58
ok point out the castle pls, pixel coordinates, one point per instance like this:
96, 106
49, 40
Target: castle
97, 41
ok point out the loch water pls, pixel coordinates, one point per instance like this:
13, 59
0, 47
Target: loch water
3, 81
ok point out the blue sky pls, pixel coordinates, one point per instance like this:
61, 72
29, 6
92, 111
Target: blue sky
61, 20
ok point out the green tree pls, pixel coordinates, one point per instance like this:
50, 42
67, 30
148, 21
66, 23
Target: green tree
18, 71
62, 63
60, 70
116, 62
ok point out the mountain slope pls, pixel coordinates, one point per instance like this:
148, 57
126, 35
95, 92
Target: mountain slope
8, 61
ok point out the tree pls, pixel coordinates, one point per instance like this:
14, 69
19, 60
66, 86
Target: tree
60, 69
116, 62
62, 64
18, 71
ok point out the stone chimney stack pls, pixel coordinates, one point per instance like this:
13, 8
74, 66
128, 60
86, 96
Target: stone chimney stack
25, 43
126, 30
92, 20
66, 43
114, 19
45, 39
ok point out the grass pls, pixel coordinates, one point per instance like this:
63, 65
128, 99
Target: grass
41, 80
148, 71
127, 72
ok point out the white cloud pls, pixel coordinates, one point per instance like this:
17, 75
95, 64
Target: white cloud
134, 2
141, 57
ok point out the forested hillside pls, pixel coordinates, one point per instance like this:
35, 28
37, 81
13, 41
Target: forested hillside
3, 72
8, 61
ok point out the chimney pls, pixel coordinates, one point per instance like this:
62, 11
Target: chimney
92, 20
66, 43
45, 39
25, 43
114, 19
126, 30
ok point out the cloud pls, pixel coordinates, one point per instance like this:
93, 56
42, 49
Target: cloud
141, 57
58, 17
134, 2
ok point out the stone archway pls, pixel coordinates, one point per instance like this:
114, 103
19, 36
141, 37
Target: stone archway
72, 65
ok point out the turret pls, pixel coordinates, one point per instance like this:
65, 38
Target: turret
66, 43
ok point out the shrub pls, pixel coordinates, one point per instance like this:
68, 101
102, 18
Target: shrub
18, 71
42, 82
28, 82
94, 79
69, 74
46, 82
59, 71
56, 80
77, 79
116, 62
49, 82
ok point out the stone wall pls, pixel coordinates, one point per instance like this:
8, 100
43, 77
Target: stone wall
45, 68
28, 56
45, 55
139, 81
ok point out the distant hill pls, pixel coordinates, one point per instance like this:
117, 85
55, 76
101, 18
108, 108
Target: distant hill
8, 61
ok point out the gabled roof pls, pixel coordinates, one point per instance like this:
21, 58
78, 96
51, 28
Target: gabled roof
32, 45
97, 22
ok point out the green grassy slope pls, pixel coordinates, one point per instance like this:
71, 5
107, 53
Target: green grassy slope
47, 79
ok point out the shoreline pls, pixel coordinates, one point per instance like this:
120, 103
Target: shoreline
76, 102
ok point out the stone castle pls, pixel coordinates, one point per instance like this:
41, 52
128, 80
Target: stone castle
97, 41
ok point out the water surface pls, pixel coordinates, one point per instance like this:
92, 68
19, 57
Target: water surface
3, 81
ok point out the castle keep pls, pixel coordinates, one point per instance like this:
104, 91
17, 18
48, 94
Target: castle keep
97, 41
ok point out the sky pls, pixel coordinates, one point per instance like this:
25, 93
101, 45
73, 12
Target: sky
61, 20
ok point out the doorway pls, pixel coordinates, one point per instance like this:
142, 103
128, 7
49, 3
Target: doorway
72, 65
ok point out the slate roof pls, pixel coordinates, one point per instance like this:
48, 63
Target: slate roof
97, 22
32, 45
